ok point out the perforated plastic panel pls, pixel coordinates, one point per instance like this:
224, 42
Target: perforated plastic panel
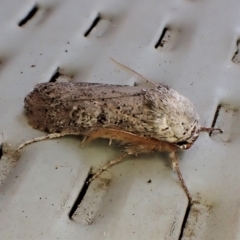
190, 45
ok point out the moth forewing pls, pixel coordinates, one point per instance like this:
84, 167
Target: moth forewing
73, 108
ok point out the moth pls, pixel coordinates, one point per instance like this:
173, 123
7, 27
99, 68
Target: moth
143, 119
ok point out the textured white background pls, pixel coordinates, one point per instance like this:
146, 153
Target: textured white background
37, 195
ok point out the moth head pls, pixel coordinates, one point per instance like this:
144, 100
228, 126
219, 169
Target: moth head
184, 145
187, 143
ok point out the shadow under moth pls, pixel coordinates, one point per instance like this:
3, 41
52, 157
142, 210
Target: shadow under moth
143, 119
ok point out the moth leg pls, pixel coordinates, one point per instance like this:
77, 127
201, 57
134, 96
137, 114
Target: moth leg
138, 144
209, 130
108, 165
84, 140
113, 134
38, 139
162, 146
116, 134
175, 166
102, 133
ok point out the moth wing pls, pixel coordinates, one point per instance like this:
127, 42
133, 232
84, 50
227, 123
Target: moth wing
84, 91
106, 91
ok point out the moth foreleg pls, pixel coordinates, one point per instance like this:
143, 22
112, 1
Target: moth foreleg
209, 130
175, 166
162, 146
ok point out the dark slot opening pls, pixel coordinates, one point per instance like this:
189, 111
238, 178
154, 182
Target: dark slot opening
55, 75
160, 42
30, 15
1, 151
236, 53
185, 220
215, 118
81, 195
94, 24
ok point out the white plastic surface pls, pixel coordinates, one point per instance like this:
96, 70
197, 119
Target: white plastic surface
144, 199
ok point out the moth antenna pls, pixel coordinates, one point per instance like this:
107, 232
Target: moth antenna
134, 73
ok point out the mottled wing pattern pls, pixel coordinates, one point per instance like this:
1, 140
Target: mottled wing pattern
84, 91
83, 107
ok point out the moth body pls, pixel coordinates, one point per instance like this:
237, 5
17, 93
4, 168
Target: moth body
156, 112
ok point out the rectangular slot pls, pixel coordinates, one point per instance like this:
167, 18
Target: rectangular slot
236, 56
167, 39
29, 15
80, 196
98, 27
59, 76
160, 42
1, 151
196, 222
8, 161
223, 119
93, 25
90, 198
